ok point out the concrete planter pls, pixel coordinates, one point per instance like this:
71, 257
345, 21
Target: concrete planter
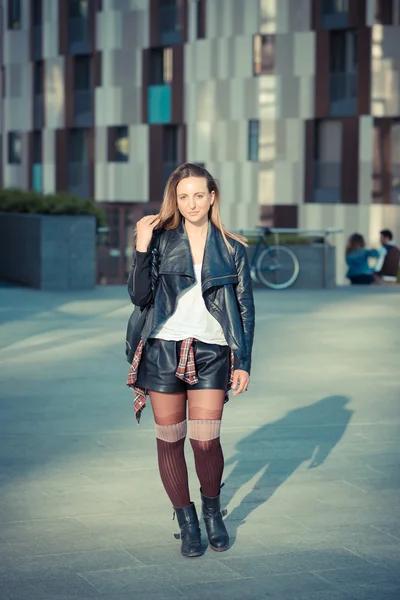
48, 252
317, 265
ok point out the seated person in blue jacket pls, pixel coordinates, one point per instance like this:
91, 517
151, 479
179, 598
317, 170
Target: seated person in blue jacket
359, 272
387, 266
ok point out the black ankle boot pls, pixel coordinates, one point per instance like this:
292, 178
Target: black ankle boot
190, 531
217, 534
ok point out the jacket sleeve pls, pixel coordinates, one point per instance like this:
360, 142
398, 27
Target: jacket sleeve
139, 283
244, 294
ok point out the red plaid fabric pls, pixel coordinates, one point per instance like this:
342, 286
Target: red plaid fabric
186, 368
186, 371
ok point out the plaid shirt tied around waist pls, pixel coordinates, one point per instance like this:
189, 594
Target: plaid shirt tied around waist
186, 371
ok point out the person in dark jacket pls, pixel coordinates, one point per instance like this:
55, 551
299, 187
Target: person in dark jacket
190, 278
359, 272
387, 267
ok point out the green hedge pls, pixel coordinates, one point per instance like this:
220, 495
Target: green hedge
22, 201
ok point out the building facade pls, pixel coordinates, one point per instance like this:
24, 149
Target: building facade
294, 105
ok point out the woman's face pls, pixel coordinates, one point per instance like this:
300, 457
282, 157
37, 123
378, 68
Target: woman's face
194, 199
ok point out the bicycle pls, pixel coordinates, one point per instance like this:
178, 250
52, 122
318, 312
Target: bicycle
276, 267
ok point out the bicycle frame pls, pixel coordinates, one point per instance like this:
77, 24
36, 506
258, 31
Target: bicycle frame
261, 243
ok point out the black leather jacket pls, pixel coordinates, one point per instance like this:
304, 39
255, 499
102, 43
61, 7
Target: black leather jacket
226, 286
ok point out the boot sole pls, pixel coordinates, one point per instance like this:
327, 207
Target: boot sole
192, 554
219, 549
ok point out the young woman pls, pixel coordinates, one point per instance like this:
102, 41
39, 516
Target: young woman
195, 341
359, 272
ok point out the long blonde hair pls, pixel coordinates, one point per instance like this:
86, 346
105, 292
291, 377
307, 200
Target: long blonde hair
170, 217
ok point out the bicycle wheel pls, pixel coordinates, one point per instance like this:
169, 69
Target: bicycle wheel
277, 267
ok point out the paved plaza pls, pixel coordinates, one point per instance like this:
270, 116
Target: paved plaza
312, 476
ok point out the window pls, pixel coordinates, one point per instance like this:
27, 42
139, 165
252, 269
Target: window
160, 67
37, 147
170, 15
343, 52
330, 7
14, 14
263, 54
78, 9
171, 144
37, 12
254, 126
78, 145
201, 18
118, 144
38, 79
14, 148
395, 161
328, 160
82, 73
396, 12
343, 72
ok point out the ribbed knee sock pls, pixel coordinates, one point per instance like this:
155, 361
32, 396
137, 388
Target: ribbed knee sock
208, 456
172, 463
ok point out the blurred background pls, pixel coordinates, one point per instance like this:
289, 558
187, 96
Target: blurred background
294, 105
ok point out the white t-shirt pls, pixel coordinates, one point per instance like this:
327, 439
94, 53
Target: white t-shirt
191, 318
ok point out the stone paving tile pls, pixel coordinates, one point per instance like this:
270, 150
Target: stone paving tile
46, 507
367, 575
143, 578
41, 588
23, 530
353, 592
256, 588
331, 518
291, 562
50, 564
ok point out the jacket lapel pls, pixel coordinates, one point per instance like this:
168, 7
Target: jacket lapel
177, 257
218, 265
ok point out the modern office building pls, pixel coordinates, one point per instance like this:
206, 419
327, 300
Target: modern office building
294, 105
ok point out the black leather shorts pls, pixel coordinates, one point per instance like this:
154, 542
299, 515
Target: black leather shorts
160, 360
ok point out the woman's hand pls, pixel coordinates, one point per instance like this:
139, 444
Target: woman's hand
240, 383
144, 231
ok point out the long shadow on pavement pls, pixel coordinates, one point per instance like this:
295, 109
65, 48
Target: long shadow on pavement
274, 452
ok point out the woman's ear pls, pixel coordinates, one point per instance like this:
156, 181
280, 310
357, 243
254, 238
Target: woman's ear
212, 198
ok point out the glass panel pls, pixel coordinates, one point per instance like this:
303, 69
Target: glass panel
82, 73
121, 144
38, 77
201, 19
78, 9
14, 148
37, 12
37, 178
171, 143
14, 14
78, 146
395, 158
37, 147
335, 6
253, 140
263, 54
159, 104
160, 67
